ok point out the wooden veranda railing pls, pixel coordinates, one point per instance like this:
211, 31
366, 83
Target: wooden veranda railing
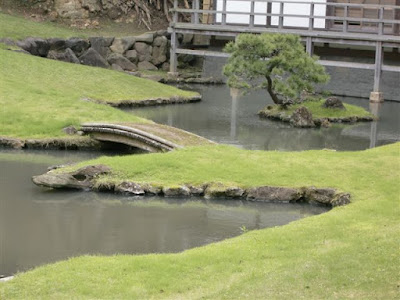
315, 21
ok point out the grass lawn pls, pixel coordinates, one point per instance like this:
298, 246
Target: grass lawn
320, 112
39, 97
350, 252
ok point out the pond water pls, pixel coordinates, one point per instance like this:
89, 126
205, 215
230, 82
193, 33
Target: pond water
229, 119
39, 226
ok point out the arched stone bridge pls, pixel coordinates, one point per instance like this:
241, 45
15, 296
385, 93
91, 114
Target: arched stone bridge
150, 137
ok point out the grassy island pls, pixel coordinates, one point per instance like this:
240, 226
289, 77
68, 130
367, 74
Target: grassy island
349, 252
318, 111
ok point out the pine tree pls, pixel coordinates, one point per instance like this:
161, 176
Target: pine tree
275, 62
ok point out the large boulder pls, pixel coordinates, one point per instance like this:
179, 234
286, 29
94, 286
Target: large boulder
68, 56
101, 45
121, 45
333, 102
274, 194
160, 48
35, 46
92, 58
132, 55
79, 179
57, 44
120, 60
79, 46
144, 51
177, 191
145, 38
146, 66
302, 117
319, 195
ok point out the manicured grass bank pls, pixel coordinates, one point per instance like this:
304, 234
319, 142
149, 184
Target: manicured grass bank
350, 252
39, 97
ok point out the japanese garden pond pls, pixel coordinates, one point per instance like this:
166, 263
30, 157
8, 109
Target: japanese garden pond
233, 120
39, 226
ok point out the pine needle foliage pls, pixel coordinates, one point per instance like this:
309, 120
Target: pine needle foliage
275, 62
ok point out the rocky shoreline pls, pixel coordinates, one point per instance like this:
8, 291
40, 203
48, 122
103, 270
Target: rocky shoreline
151, 102
76, 143
87, 178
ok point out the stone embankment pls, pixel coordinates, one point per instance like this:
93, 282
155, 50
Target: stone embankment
149, 51
87, 178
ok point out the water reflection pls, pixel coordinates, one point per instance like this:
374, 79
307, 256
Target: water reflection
226, 117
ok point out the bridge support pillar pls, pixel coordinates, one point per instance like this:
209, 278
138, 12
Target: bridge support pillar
377, 95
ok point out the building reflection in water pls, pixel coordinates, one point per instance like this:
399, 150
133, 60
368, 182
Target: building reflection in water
375, 109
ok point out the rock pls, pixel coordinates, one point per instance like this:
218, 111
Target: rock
71, 130
325, 123
159, 50
92, 58
116, 68
165, 67
132, 55
151, 189
319, 195
215, 190
68, 56
176, 191
121, 45
119, 59
145, 65
101, 45
35, 46
302, 117
12, 143
130, 188
79, 46
145, 38
234, 192
144, 51
57, 44
274, 194
79, 179
340, 199
333, 102
196, 190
